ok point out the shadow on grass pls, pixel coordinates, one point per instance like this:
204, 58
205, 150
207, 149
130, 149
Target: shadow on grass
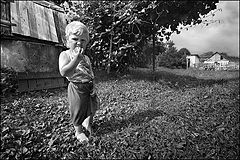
172, 80
136, 119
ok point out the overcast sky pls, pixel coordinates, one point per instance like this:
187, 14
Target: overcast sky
216, 37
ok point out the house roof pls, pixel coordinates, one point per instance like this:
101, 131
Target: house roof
195, 55
208, 55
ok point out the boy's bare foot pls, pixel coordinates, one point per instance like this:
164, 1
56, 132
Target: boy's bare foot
89, 129
79, 134
81, 137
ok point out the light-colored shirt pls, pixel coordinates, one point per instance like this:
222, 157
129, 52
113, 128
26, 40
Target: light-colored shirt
83, 72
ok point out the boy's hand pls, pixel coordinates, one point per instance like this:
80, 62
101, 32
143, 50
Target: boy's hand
79, 51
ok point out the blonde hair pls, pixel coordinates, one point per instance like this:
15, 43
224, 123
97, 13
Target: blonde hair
77, 28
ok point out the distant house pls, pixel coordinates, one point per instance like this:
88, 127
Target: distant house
217, 58
212, 61
192, 60
221, 61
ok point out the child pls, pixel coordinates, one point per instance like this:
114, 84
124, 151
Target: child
76, 67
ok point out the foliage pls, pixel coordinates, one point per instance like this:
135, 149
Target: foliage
160, 48
8, 81
120, 29
167, 59
177, 116
181, 57
172, 58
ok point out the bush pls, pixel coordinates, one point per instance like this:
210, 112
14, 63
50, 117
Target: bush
8, 81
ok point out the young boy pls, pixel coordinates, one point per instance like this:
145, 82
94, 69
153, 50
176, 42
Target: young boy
76, 67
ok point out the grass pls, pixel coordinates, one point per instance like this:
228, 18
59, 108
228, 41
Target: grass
174, 114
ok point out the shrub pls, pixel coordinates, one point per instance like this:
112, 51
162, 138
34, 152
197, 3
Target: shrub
8, 81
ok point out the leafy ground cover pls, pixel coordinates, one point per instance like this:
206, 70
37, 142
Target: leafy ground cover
175, 114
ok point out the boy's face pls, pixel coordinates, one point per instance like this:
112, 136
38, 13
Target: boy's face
77, 41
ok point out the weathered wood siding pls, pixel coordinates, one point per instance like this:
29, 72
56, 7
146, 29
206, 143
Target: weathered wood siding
33, 45
37, 21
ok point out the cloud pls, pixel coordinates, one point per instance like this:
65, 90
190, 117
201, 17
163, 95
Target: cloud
216, 37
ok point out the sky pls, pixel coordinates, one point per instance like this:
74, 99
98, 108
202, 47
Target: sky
216, 37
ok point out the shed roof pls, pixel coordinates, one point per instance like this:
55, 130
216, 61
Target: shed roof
195, 55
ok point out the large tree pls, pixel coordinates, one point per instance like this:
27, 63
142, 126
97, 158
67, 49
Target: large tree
120, 29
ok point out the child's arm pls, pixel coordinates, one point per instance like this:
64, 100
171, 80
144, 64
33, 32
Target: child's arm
67, 66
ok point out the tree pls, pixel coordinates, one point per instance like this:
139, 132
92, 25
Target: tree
148, 50
181, 57
129, 25
168, 58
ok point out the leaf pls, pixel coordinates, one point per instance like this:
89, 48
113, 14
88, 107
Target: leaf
52, 140
25, 150
5, 129
181, 145
221, 129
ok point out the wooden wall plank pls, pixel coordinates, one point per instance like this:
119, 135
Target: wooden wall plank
46, 14
45, 24
40, 25
40, 84
52, 28
47, 83
56, 22
3, 10
24, 17
54, 83
22, 85
15, 18
61, 82
62, 26
8, 11
32, 85
32, 19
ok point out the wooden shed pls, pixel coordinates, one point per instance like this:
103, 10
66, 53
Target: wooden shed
192, 60
32, 37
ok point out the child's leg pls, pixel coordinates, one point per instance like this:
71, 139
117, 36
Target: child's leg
77, 109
